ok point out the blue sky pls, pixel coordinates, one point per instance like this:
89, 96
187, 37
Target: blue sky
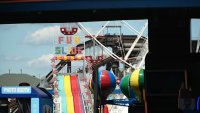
30, 46
195, 29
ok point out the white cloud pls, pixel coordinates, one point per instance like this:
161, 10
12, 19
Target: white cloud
11, 58
46, 35
43, 36
41, 62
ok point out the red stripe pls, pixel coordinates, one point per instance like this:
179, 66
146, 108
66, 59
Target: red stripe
105, 109
75, 57
76, 94
82, 58
105, 84
62, 58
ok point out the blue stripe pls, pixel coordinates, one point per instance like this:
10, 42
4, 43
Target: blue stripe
61, 92
112, 81
99, 78
99, 82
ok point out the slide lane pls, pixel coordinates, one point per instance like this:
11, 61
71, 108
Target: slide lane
76, 94
68, 91
61, 93
81, 98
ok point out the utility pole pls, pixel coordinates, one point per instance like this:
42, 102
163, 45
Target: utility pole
21, 71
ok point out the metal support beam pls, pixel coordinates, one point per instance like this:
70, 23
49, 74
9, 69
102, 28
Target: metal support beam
95, 79
107, 50
135, 42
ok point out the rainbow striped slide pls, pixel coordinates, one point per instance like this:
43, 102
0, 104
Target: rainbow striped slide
69, 92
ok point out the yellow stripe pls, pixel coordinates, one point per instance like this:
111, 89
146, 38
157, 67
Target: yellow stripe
71, 58
134, 79
58, 57
134, 83
65, 58
78, 57
70, 102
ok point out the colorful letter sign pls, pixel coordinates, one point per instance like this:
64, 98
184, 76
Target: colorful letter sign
66, 44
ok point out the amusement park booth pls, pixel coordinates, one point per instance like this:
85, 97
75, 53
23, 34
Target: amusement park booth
27, 99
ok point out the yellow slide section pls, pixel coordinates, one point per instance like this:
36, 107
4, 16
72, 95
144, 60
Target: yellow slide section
134, 83
68, 92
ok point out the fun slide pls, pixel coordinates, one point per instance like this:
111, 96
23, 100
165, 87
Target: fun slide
69, 90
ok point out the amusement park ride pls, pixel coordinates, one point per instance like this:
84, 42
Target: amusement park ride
171, 67
131, 85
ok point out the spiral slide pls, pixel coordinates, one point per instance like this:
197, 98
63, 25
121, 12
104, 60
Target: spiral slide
70, 93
